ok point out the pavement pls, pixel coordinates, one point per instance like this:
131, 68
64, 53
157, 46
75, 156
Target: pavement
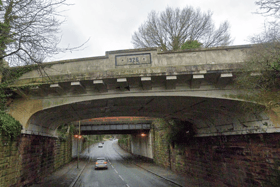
63, 177
69, 173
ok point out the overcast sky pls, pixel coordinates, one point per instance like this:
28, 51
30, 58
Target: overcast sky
109, 24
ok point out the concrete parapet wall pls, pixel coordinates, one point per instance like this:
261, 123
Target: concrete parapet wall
117, 64
138, 145
142, 145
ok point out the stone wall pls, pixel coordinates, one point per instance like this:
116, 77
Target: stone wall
29, 158
63, 152
239, 160
247, 160
161, 149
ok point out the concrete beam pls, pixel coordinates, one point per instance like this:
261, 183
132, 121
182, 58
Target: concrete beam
57, 88
223, 80
38, 91
146, 83
21, 92
122, 84
77, 87
196, 81
171, 82
100, 85
254, 74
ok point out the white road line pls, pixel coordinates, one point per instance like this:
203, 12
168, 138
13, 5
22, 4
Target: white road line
112, 166
121, 177
127, 185
115, 170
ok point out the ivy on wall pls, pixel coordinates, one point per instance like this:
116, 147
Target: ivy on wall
274, 179
64, 131
176, 132
9, 126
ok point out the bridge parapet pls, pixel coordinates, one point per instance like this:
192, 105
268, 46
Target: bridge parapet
141, 69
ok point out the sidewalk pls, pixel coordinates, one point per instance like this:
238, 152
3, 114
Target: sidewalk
167, 174
63, 177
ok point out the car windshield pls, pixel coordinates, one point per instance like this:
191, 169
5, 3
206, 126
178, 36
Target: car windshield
101, 158
100, 161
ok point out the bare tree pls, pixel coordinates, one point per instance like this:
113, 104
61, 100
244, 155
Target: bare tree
268, 7
171, 28
29, 30
261, 71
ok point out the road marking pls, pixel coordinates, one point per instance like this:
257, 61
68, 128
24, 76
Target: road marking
115, 170
121, 177
127, 185
112, 166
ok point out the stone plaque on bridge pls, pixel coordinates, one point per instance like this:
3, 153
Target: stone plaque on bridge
133, 59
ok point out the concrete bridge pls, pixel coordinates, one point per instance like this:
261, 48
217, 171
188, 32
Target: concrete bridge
194, 86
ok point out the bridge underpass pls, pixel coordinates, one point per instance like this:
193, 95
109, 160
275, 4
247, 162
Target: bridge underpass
193, 86
138, 127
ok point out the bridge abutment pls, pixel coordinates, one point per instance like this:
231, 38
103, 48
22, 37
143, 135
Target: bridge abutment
29, 158
141, 144
233, 160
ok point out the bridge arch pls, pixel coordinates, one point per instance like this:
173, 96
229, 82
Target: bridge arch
210, 116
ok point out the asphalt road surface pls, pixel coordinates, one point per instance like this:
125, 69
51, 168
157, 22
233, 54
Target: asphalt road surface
121, 171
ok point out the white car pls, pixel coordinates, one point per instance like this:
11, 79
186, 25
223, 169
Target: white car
101, 163
100, 145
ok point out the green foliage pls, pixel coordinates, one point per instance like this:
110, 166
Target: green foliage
9, 126
176, 132
124, 139
5, 27
64, 131
107, 136
4, 40
10, 76
191, 44
273, 180
260, 75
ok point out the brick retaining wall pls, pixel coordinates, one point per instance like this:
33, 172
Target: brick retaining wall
29, 158
243, 160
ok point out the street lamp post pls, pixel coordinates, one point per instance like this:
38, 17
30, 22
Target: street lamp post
78, 144
78, 138
88, 145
